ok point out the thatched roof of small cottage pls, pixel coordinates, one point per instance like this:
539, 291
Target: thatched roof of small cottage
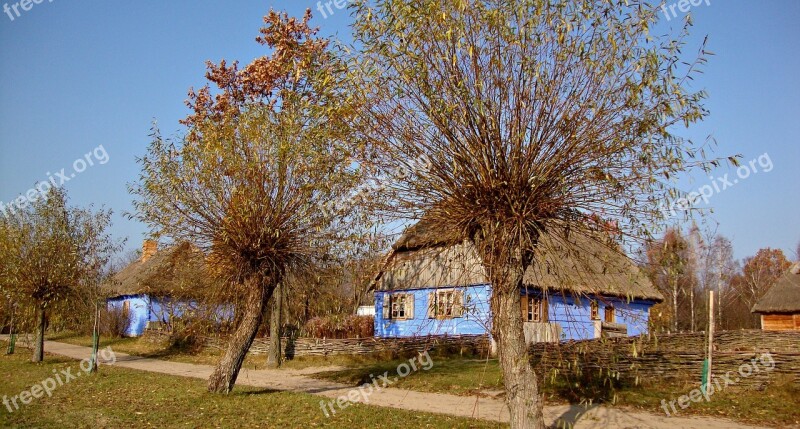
161, 273
783, 296
574, 263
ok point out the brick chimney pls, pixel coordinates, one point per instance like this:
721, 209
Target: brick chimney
149, 248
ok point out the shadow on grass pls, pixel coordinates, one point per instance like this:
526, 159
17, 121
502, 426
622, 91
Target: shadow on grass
257, 392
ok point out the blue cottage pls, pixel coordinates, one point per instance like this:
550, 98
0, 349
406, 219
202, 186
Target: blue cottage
156, 289
577, 288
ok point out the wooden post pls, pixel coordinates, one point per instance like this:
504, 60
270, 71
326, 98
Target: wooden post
95, 335
710, 337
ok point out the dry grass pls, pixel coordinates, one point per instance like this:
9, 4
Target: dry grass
119, 397
778, 404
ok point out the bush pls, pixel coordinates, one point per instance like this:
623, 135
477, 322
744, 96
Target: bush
114, 321
189, 334
340, 327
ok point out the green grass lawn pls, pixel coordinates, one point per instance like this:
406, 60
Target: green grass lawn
119, 397
778, 404
139, 346
457, 376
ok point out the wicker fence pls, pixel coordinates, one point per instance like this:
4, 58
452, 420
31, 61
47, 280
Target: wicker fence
296, 347
675, 357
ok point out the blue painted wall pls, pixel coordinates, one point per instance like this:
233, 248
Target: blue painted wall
139, 310
143, 309
574, 315
474, 321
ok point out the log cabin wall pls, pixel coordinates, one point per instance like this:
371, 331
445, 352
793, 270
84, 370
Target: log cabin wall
780, 322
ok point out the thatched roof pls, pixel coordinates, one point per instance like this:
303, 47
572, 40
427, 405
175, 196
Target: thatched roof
157, 272
783, 296
572, 264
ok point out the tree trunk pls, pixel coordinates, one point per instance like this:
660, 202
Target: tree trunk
274, 355
224, 376
38, 349
505, 266
675, 305
691, 306
306, 309
522, 389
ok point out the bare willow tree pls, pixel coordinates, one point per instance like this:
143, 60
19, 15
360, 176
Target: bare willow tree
259, 161
536, 117
54, 254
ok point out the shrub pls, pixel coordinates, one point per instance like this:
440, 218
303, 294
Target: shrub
340, 327
189, 333
114, 321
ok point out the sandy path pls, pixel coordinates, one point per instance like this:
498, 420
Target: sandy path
482, 408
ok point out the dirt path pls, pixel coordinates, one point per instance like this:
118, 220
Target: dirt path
482, 408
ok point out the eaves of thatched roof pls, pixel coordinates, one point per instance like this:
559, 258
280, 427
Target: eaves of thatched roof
138, 277
575, 264
783, 296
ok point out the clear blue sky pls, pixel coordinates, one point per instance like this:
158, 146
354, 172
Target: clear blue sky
77, 75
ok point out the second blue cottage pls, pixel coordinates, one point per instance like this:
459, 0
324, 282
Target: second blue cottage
578, 288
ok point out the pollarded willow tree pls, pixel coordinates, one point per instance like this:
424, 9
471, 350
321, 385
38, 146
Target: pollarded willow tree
537, 117
54, 256
259, 161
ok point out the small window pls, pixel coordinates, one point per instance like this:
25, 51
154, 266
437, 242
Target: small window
537, 310
609, 314
595, 311
446, 304
398, 306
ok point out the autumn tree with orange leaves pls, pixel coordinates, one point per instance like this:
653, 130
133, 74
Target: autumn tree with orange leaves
263, 152
759, 273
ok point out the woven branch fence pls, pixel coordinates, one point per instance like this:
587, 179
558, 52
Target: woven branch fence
676, 357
